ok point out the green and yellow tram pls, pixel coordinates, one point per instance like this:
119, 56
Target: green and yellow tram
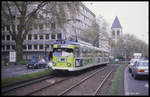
73, 56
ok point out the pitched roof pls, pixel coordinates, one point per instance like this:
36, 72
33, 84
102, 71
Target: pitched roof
116, 23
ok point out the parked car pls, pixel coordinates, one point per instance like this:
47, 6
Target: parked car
131, 63
49, 64
141, 68
116, 60
37, 63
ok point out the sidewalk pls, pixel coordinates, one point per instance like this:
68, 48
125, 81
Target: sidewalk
16, 70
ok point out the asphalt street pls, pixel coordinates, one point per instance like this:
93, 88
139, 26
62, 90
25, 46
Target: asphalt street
135, 87
15, 70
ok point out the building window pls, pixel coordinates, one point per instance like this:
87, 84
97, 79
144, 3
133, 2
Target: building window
30, 27
41, 46
13, 38
47, 36
35, 46
8, 47
29, 37
24, 47
36, 27
113, 33
41, 26
47, 46
13, 27
3, 28
13, 47
53, 36
8, 27
2, 47
41, 36
59, 36
29, 46
18, 27
118, 32
3, 37
8, 37
35, 36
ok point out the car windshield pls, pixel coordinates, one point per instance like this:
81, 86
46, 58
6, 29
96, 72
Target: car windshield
41, 60
143, 64
34, 61
63, 52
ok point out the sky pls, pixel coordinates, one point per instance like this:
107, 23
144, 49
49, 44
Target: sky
133, 16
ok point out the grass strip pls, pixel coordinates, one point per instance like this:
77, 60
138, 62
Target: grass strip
25, 77
115, 87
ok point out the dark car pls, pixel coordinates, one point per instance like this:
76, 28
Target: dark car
37, 63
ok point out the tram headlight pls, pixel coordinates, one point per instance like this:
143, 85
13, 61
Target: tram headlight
68, 64
54, 63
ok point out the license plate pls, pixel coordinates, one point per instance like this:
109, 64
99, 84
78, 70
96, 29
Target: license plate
146, 71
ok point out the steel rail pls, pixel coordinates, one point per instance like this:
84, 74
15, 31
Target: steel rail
107, 76
47, 86
75, 85
27, 82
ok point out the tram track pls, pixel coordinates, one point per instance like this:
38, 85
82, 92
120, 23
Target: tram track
102, 83
24, 83
86, 87
80, 82
57, 85
50, 88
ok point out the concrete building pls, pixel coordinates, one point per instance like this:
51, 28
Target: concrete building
116, 30
40, 38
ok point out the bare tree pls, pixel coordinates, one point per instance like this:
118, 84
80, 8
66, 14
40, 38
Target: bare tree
30, 13
129, 44
91, 34
24, 19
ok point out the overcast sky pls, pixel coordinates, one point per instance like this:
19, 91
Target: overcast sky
133, 16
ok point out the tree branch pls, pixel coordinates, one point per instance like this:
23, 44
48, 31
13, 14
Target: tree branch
18, 7
11, 19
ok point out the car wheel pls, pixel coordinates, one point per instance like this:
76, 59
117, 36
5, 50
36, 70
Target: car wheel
132, 74
135, 76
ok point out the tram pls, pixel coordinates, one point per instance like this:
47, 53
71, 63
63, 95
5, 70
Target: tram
73, 56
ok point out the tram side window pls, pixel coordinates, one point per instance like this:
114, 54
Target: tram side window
83, 52
77, 52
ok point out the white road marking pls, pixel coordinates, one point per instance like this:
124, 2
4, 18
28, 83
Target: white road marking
125, 83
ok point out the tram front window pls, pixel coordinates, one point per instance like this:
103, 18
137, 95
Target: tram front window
63, 52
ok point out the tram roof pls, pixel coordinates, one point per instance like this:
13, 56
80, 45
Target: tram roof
81, 43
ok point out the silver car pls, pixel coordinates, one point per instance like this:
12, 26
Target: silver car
140, 69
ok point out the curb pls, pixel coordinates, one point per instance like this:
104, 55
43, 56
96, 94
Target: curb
126, 88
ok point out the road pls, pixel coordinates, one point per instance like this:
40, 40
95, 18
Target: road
15, 70
135, 87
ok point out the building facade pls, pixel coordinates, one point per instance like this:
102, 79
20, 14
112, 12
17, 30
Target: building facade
39, 41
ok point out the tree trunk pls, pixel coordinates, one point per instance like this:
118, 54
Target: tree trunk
19, 50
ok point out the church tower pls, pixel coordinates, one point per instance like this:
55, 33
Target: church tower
116, 30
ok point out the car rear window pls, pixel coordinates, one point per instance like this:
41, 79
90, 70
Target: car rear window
142, 64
